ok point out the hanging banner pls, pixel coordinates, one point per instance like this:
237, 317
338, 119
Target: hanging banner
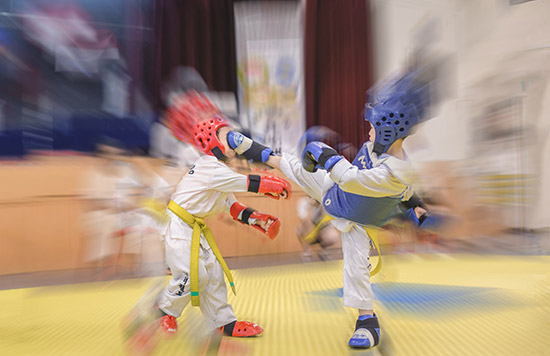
270, 72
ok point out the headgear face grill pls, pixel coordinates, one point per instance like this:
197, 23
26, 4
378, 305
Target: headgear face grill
206, 138
394, 108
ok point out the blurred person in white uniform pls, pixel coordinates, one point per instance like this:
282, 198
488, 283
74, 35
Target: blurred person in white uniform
110, 190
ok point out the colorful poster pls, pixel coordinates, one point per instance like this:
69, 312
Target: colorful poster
270, 72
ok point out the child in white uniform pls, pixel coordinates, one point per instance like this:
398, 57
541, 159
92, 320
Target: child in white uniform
206, 190
363, 193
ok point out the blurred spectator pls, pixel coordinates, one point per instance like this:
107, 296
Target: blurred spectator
113, 190
147, 218
68, 83
164, 145
311, 213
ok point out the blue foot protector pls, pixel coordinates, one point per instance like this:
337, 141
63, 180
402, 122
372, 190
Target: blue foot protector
367, 332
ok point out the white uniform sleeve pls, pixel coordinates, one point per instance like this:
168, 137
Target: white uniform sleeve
230, 200
376, 182
408, 193
223, 179
311, 183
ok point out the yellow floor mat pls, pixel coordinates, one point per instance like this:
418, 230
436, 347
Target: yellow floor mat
427, 305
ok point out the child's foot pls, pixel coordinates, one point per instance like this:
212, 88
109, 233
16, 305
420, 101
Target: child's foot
367, 332
169, 324
241, 329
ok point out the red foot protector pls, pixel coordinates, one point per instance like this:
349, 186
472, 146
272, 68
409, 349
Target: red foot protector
243, 329
169, 325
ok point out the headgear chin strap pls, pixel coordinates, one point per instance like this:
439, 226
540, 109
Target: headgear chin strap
218, 154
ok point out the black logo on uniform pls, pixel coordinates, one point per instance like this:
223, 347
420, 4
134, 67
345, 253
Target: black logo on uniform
182, 286
192, 170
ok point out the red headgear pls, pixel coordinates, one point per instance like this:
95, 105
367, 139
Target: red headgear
195, 120
206, 138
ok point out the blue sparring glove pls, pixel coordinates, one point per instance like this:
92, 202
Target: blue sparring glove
317, 155
434, 222
426, 221
249, 149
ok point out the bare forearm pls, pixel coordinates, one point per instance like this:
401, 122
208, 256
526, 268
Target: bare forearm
274, 162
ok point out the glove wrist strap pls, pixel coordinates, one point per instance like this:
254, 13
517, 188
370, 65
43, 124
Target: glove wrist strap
245, 215
254, 183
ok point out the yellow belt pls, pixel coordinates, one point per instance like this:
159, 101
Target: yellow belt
155, 208
372, 232
199, 226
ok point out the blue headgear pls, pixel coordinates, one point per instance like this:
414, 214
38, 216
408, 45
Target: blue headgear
395, 107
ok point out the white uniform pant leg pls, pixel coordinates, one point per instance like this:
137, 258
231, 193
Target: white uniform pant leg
311, 183
176, 295
212, 288
357, 287
213, 296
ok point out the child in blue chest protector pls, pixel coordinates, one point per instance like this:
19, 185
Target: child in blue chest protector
363, 193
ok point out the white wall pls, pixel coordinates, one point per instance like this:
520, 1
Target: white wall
505, 52
497, 51
400, 26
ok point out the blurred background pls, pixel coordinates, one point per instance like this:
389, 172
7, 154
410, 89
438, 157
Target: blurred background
86, 163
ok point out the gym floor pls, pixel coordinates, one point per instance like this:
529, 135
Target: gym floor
428, 304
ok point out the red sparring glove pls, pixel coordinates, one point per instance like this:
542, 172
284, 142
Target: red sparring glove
270, 224
272, 186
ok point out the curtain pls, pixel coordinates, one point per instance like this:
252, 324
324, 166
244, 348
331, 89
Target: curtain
338, 66
196, 33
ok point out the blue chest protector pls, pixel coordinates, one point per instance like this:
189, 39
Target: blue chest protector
361, 209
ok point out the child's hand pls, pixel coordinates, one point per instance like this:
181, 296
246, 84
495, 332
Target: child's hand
264, 224
284, 194
419, 211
